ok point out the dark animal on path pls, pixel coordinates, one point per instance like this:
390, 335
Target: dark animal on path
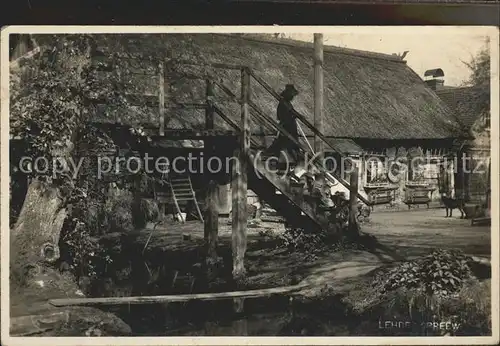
453, 203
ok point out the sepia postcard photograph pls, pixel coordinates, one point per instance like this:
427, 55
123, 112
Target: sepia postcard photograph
302, 185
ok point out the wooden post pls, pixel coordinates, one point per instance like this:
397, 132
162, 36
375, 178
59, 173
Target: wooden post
240, 322
211, 217
162, 209
462, 168
318, 91
209, 111
353, 200
468, 165
161, 97
239, 185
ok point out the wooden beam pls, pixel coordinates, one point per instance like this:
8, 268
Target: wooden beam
161, 97
238, 215
462, 169
353, 201
209, 110
234, 125
211, 224
152, 101
175, 298
214, 65
226, 119
189, 133
240, 323
318, 91
239, 184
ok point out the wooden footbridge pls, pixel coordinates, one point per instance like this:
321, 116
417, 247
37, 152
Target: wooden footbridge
250, 172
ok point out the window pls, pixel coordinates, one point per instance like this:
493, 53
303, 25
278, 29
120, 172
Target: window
371, 171
376, 171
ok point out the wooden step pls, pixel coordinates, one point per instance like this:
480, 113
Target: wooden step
183, 194
181, 187
179, 181
269, 212
283, 196
272, 218
183, 190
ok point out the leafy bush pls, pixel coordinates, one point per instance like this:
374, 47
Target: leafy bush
144, 211
118, 209
298, 239
469, 308
364, 212
83, 252
439, 287
251, 211
442, 272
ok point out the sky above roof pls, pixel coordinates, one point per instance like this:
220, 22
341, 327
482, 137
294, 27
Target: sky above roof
427, 50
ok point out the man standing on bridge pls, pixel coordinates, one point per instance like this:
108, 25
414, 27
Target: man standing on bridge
286, 118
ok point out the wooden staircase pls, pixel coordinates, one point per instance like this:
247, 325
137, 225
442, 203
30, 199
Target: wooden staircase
286, 198
290, 201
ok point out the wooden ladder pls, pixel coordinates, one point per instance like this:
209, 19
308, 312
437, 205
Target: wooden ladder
181, 190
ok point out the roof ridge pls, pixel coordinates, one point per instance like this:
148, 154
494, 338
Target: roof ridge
326, 48
455, 89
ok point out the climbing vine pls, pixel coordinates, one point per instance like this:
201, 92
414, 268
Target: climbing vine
50, 103
53, 98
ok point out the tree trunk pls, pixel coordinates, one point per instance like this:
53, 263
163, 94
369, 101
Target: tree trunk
34, 278
35, 237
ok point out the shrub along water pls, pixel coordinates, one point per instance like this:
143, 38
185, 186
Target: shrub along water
436, 288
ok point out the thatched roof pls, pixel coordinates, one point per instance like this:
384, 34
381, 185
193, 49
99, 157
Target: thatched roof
346, 146
366, 95
465, 102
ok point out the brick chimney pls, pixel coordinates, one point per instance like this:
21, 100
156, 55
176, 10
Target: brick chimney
434, 78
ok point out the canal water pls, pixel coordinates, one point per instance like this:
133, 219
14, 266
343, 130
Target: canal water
270, 316
134, 275
278, 315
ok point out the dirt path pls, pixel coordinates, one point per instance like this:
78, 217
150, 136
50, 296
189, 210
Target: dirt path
401, 234
414, 232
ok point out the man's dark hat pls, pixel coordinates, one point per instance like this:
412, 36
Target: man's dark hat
290, 88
